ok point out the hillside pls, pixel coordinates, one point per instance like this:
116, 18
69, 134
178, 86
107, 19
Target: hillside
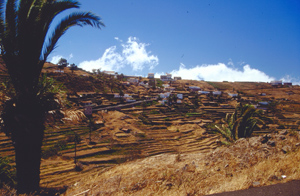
137, 145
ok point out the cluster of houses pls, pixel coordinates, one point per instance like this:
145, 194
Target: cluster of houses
279, 83
178, 96
166, 77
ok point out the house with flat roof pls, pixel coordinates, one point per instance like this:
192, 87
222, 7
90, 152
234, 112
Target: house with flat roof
194, 88
276, 82
169, 76
150, 75
163, 77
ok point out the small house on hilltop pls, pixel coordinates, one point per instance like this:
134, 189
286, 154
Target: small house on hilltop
169, 76
287, 84
163, 77
177, 78
150, 75
276, 83
166, 77
112, 73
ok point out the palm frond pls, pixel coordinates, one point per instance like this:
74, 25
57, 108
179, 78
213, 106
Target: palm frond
1, 21
9, 37
75, 19
225, 132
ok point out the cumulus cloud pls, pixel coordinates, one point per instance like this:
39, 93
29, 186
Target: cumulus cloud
136, 55
56, 58
133, 54
110, 60
221, 72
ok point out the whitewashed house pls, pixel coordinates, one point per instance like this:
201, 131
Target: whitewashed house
177, 78
164, 95
133, 80
163, 77
150, 75
180, 96
112, 73
216, 93
233, 94
169, 76
203, 92
276, 82
194, 88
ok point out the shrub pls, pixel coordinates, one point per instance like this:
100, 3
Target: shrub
53, 150
7, 173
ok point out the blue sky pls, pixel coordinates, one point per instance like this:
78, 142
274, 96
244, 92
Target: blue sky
213, 40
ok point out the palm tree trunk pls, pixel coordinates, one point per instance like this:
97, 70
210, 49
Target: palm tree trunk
24, 119
28, 159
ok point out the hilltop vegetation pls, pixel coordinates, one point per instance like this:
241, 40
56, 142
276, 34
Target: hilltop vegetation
133, 144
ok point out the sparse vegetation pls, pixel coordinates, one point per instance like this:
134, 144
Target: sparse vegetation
241, 123
7, 173
177, 133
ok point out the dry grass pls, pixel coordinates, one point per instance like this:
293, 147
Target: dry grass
73, 116
244, 164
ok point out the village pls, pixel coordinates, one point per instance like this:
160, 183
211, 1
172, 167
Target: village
125, 118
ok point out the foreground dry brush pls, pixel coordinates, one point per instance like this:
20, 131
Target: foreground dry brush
257, 161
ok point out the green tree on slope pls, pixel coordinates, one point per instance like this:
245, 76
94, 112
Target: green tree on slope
26, 43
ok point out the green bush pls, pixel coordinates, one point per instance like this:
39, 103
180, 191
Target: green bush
53, 150
7, 172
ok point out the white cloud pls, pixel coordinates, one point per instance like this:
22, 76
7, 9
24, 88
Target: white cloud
136, 55
56, 58
70, 57
289, 78
221, 72
133, 54
110, 60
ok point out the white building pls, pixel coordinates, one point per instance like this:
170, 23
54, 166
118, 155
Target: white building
217, 93
164, 95
177, 78
169, 76
180, 96
194, 88
276, 82
150, 75
203, 92
133, 80
233, 94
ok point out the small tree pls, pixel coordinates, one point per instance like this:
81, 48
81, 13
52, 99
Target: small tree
62, 63
73, 67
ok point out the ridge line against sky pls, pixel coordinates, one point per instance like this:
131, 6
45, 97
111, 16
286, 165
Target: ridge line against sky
203, 40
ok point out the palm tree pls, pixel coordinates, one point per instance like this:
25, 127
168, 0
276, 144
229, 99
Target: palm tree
26, 43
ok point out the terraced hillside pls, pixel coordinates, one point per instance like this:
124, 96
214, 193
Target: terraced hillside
124, 137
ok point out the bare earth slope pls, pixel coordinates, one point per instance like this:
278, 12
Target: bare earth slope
258, 161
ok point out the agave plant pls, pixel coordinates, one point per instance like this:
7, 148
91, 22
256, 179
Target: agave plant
242, 122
